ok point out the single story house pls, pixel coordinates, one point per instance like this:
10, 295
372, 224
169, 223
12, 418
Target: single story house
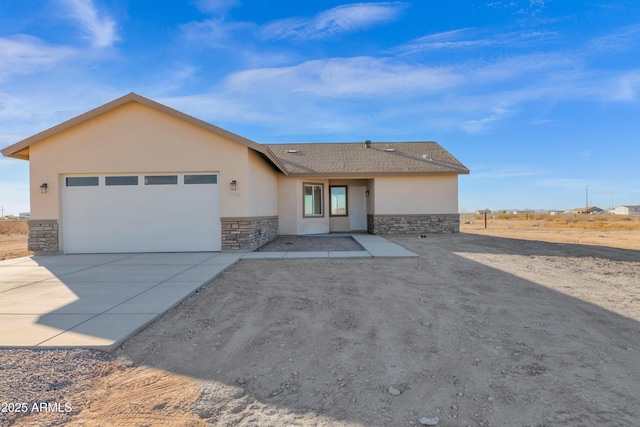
591, 210
137, 176
627, 210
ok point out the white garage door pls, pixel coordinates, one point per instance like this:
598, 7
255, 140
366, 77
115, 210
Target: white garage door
141, 213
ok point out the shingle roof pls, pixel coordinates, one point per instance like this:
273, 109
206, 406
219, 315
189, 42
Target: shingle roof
346, 159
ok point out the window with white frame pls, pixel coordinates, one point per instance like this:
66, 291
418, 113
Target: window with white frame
312, 200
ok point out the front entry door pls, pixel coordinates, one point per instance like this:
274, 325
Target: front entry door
357, 208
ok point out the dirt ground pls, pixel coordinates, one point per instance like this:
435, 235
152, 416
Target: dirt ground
311, 243
478, 331
13, 246
585, 233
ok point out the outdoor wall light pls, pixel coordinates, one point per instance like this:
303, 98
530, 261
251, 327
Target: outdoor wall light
43, 188
233, 185
366, 193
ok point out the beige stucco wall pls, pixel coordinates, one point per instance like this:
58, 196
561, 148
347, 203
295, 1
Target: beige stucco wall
410, 195
388, 195
263, 187
290, 219
288, 199
135, 138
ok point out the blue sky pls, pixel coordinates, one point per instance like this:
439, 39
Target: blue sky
539, 98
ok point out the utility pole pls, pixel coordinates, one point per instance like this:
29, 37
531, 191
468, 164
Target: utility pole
587, 207
612, 201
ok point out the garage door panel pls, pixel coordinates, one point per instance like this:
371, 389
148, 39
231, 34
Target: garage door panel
142, 218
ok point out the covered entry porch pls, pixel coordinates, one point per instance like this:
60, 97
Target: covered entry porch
350, 200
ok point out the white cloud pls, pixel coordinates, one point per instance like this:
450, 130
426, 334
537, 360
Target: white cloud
620, 41
344, 77
339, 20
456, 39
98, 27
483, 124
626, 87
473, 40
24, 54
216, 32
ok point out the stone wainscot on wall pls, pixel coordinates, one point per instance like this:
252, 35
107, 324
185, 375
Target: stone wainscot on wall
413, 224
248, 234
43, 236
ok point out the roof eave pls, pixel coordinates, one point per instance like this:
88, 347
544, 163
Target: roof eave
373, 174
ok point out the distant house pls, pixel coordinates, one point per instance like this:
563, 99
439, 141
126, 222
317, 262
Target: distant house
524, 212
627, 210
24, 215
483, 211
592, 210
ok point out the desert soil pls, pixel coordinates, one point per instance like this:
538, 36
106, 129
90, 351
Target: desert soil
13, 246
542, 231
307, 243
477, 331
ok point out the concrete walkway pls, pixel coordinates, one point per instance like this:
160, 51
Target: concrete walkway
100, 300
374, 246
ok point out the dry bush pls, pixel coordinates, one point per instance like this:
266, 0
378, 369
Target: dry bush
568, 221
13, 227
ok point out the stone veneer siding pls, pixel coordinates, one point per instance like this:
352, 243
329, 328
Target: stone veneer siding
413, 224
43, 236
248, 234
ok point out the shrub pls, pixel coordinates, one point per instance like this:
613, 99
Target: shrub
13, 227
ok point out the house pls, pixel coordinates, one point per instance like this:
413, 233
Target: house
137, 176
627, 210
592, 210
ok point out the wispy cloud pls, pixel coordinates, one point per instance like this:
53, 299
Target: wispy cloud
98, 26
216, 6
344, 77
623, 40
23, 54
339, 20
471, 39
521, 7
456, 39
626, 87
481, 125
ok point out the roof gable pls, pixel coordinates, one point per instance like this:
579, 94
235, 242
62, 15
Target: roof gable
20, 150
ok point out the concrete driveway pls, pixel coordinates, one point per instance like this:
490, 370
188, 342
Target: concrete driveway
97, 300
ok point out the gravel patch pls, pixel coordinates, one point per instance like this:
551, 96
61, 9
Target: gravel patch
51, 383
311, 243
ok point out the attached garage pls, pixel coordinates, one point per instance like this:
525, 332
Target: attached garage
146, 212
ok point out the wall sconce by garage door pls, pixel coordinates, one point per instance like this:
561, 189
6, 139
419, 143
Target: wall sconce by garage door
366, 193
233, 185
43, 188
